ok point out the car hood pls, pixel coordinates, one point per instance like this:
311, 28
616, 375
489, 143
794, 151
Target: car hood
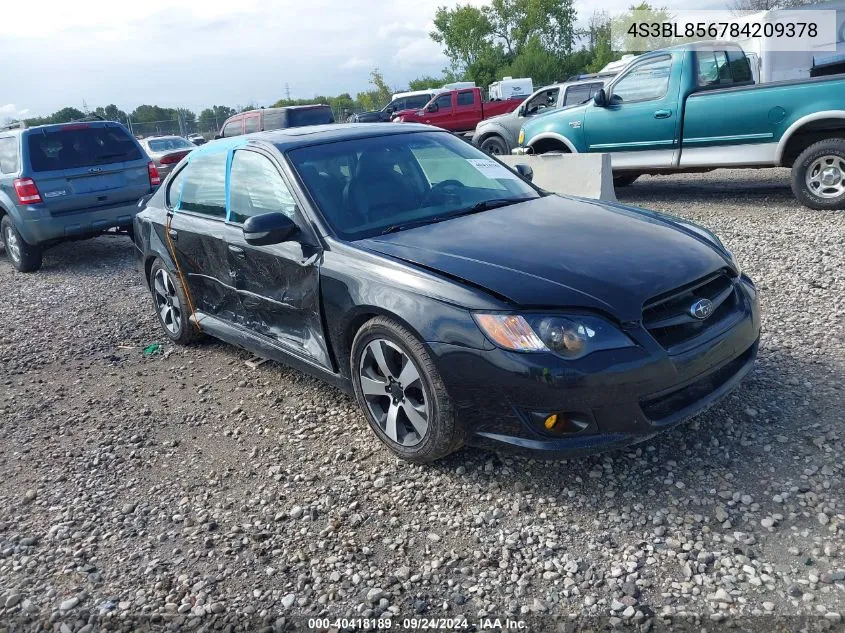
558, 252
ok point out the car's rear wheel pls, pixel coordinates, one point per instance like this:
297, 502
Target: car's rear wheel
818, 175
401, 392
24, 257
171, 305
494, 145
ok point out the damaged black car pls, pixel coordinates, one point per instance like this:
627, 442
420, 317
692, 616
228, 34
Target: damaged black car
457, 301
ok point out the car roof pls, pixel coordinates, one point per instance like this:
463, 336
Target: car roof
293, 137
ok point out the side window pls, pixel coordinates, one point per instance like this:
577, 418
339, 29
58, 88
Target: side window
545, 99
398, 104
465, 98
175, 186
251, 124
203, 185
645, 82
274, 119
576, 95
257, 187
233, 128
8, 155
444, 101
418, 102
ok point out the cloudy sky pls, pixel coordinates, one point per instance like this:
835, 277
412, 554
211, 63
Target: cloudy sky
182, 53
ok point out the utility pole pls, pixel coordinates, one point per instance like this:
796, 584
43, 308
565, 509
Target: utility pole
287, 91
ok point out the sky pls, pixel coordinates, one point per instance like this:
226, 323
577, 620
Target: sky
180, 53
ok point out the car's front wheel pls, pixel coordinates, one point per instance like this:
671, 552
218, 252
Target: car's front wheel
401, 392
818, 175
26, 258
494, 145
171, 305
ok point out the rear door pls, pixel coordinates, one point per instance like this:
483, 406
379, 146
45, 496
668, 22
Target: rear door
467, 110
197, 195
278, 286
82, 166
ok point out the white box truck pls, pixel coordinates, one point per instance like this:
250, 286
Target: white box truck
510, 88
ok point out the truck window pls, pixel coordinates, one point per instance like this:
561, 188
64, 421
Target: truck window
544, 99
8, 155
722, 68
576, 95
415, 103
465, 98
645, 82
233, 128
444, 101
251, 124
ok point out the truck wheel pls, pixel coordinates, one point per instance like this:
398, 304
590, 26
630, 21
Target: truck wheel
818, 175
494, 145
623, 180
26, 258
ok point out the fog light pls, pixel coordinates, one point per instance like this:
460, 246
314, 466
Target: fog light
550, 422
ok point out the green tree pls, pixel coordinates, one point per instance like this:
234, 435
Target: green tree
643, 12
464, 33
111, 113
66, 114
382, 91
537, 62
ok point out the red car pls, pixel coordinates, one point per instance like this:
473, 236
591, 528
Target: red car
458, 110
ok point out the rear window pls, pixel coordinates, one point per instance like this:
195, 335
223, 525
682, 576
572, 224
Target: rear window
168, 144
723, 68
78, 146
309, 116
273, 119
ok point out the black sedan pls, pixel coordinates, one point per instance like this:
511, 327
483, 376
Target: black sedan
458, 302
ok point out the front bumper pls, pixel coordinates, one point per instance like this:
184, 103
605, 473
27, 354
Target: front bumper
621, 397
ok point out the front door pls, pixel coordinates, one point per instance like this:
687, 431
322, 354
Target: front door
197, 233
639, 125
442, 116
278, 286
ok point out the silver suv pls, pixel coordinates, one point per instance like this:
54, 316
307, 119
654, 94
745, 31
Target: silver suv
498, 135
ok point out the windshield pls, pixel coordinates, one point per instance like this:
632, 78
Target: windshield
366, 187
168, 144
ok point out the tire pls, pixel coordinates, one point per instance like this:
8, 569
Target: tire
26, 258
623, 180
818, 175
494, 145
442, 434
165, 285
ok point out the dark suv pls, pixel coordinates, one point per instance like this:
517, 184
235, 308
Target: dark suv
67, 181
276, 119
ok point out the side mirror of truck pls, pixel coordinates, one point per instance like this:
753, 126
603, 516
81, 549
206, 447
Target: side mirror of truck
217, 136
432, 107
524, 170
600, 98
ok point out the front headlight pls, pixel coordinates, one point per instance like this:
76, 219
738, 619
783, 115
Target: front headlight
521, 138
571, 337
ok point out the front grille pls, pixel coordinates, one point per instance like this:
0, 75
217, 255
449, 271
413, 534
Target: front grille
662, 409
668, 318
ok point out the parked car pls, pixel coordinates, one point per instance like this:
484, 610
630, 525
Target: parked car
275, 119
401, 101
457, 110
166, 151
697, 108
197, 139
498, 135
67, 181
457, 301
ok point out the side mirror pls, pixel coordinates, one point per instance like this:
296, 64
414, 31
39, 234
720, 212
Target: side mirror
525, 171
432, 107
217, 136
521, 111
600, 98
268, 228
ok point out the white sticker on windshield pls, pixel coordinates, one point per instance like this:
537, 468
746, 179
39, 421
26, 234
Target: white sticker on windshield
492, 169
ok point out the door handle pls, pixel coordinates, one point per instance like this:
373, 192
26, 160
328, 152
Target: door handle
662, 114
174, 234
237, 251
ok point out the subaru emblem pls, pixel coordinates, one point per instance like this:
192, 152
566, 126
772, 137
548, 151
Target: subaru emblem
701, 309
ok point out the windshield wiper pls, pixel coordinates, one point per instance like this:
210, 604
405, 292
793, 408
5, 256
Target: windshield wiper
484, 205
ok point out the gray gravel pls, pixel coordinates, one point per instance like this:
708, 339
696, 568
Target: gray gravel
188, 489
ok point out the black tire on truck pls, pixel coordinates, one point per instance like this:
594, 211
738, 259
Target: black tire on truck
818, 175
26, 258
494, 145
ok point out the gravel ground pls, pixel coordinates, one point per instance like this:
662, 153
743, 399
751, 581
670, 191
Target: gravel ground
187, 490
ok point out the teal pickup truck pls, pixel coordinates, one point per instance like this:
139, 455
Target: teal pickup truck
695, 108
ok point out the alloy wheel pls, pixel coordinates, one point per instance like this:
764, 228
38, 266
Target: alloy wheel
826, 176
167, 302
394, 392
12, 244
